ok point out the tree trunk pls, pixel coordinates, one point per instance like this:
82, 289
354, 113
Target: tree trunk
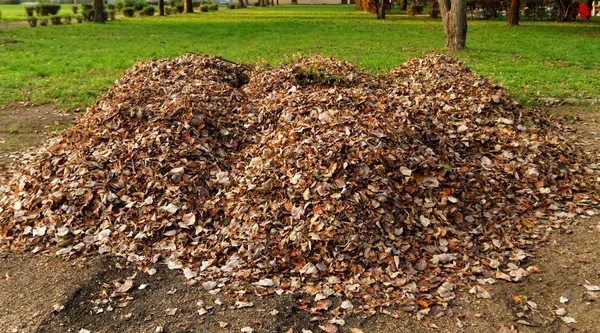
99, 11
513, 16
454, 17
404, 4
241, 4
188, 6
380, 9
161, 7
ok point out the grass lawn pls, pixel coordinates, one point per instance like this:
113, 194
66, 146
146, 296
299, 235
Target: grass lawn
72, 64
11, 13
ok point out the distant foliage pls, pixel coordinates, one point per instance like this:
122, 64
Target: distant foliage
414, 9
434, 9
539, 10
136, 4
112, 14
147, 11
11, 2
128, 11
87, 7
29, 10
231, 6
204, 8
75, 9
214, 7
56, 20
67, 18
32, 20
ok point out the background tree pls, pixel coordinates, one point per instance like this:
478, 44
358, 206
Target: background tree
99, 11
161, 7
188, 6
454, 17
513, 15
380, 4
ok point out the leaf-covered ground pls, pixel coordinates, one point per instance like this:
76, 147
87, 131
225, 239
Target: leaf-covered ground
389, 155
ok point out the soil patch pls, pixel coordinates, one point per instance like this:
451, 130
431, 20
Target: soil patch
25, 126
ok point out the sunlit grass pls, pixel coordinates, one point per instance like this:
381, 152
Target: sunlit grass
72, 64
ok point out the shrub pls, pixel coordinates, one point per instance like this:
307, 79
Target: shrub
0, 15
75, 9
87, 7
214, 7
32, 20
111, 6
257, 4
29, 10
136, 4
88, 15
414, 9
43, 21
67, 19
147, 11
12, 2
120, 5
231, 6
204, 8
179, 8
434, 9
170, 11
128, 11
49, 9
111, 14
56, 20
79, 18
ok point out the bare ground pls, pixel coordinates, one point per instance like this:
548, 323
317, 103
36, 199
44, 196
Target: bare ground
31, 287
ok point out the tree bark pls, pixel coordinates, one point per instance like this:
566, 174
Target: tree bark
513, 16
161, 7
99, 11
454, 17
241, 4
380, 9
404, 4
188, 6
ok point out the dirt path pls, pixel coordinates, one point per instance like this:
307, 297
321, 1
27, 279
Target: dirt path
40, 294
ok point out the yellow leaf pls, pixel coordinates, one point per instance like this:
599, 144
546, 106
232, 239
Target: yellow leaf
528, 223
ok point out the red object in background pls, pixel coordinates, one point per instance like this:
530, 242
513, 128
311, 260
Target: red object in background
583, 11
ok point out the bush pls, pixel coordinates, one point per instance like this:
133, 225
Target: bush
87, 7
434, 9
12, 2
170, 11
29, 10
56, 20
204, 8
180, 8
414, 9
257, 4
112, 14
147, 11
32, 20
111, 6
136, 4
231, 6
67, 19
88, 15
75, 9
79, 18
43, 21
128, 11
214, 7
0, 15
120, 5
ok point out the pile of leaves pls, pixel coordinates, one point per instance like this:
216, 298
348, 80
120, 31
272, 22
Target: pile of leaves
311, 176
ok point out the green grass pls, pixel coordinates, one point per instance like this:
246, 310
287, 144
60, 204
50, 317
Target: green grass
72, 64
12, 13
